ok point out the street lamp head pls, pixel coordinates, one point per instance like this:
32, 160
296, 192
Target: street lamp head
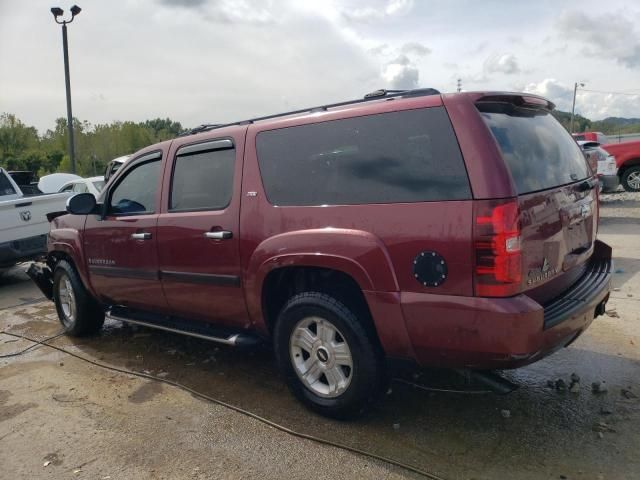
75, 10
57, 12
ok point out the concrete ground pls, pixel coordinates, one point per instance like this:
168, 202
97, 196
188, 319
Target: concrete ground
63, 418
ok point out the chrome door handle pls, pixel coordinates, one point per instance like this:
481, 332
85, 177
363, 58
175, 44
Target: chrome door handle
141, 236
219, 235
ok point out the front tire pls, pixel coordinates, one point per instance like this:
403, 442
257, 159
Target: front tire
631, 179
78, 312
328, 357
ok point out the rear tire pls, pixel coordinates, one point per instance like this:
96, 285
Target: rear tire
329, 359
78, 311
631, 179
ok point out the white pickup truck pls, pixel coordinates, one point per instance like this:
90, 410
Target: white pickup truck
23, 221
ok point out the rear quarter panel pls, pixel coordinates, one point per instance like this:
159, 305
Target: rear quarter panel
374, 243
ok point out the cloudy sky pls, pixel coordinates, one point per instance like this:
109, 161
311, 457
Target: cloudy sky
199, 61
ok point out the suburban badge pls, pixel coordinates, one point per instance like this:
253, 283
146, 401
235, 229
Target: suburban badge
538, 274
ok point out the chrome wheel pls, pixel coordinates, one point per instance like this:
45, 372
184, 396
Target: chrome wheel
634, 180
321, 357
67, 301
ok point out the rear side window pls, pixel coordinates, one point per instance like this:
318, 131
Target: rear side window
202, 180
539, 152
407, 156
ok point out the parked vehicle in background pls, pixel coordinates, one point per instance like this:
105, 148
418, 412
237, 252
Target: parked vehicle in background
92, 185
603, 164
26, 180
23, 221
114, 165
627, 156
53, 182
591, 137
454, 230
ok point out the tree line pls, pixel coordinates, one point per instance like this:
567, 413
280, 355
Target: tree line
608, 126
23, 148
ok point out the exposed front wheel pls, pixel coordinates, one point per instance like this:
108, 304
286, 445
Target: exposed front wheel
631, 179
327, 355
78, 312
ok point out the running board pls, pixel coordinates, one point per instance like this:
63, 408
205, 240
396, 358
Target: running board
232, 339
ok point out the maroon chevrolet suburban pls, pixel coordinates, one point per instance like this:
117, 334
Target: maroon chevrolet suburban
453, 230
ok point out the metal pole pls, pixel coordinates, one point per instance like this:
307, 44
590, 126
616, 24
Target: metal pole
573, 107
72, 148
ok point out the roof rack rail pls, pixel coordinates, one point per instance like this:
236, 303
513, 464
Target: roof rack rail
375, 95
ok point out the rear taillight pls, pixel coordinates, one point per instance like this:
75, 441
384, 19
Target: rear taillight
498, 259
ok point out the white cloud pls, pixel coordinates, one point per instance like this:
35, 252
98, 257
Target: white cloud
593, 105
401, 74
415, 48
506, 63
608, 36
380, 11
552, 89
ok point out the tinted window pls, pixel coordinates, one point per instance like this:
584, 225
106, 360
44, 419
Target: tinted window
539, 152
5, 186
202, 180
136, 193
409, 156
68, 188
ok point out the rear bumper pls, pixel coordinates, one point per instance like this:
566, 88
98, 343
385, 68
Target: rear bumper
496, 333
24, 249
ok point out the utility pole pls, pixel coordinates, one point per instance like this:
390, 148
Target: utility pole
459, 84
58, 12
573, 106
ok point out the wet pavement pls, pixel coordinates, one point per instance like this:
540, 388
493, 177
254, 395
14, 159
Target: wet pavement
535, 432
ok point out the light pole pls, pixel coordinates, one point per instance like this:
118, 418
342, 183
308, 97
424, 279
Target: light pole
573, 106
58, 12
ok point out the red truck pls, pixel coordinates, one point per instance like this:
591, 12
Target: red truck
627, 155
450, 230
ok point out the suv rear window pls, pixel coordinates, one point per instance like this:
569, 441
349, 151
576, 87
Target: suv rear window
539, 152
407, 156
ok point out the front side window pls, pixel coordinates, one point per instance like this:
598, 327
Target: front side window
406, 156
202, 180
136, 192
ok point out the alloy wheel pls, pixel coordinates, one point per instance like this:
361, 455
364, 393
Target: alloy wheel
321, 357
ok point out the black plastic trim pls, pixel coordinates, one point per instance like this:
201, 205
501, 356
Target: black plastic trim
595, 280
219, 144
124, 272
201, 278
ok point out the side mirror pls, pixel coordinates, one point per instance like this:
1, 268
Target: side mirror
81, 204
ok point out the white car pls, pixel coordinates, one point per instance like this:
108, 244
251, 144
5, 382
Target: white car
93, 185
23, 221
602, 163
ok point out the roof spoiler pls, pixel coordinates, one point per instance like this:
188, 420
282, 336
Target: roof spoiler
519, 100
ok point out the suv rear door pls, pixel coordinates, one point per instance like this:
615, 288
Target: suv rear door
198, 230
555, 193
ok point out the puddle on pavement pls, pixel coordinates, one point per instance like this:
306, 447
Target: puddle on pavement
449, 434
